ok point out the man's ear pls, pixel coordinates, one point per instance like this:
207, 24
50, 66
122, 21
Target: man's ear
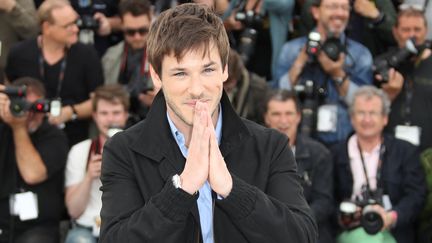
315, 12
225, 73
157, 82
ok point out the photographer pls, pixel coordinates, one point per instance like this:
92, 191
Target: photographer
410, 118
379, 173
259, 24
32, 159
99, 23
126, 63
83, 197
17, 22
282, 112
70, 71
337, 66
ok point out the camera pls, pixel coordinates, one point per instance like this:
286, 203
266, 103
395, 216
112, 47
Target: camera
19, 105
332, 46
87, 22
310, 97
369, 218
251, 20
382, 64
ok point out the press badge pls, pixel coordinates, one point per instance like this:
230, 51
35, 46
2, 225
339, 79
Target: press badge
327, 118
408, 133
24, 205
55, 107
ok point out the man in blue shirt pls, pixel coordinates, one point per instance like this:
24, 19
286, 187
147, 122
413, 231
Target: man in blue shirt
193, 170
334, 80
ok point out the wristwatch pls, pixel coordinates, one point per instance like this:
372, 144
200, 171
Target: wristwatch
340, 80
74, 113
176, 180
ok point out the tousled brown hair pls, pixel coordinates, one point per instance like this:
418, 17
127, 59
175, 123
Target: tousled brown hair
45, 10
113, 93
185, 28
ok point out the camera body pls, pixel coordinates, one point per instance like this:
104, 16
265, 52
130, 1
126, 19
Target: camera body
332, 46
382, 64
310, 98
19, 105
87, 22
369, 218
251, 20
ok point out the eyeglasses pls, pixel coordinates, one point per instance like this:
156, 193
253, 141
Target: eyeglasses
131, 32
363, 114
411, 6
68, 26
335, 6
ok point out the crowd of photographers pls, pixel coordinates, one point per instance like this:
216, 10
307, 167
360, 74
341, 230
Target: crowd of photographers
349, 82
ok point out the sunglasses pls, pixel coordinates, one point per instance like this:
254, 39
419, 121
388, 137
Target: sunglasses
131, 32
410, 6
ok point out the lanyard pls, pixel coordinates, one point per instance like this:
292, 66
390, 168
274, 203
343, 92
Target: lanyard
378, 174
62, 69
408, 99
144, 69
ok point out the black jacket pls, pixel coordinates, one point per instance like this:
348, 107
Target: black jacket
315, 168
140, 204
402, 179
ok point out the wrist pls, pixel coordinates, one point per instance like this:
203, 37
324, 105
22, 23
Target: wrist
181, 182
74, 115
9, 5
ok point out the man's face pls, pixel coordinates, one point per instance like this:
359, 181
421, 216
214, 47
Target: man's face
410, 27
135, 29
368, 119
196, 77
332, 16
283, 116
109, 114
63, 29
34, 119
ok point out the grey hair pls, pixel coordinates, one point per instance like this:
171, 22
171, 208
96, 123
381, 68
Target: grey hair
369, 91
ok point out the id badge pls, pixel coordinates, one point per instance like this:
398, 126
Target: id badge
408, 133
24, 205
327, 118
55, 107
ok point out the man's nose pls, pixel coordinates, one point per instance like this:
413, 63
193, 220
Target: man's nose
196, 87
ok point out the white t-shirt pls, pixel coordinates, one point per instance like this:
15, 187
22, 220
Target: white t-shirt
75, 173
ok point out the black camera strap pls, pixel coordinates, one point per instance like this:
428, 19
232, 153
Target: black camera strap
380, 159
408, 99
144, 65
62, 68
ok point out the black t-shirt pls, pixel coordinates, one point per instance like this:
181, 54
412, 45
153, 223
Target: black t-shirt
82, 74
51, 143
421, 102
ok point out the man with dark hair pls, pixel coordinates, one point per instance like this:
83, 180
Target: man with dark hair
70, 71
334, 75
110, 106
409, 118
193, 171
378, 172
32, 159
282, 112
127, 63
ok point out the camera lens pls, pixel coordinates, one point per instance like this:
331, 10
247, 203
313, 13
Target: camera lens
371, 220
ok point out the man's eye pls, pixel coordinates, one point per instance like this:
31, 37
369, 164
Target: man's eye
180, 74
209, 70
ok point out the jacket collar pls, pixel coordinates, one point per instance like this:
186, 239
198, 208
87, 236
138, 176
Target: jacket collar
154, 138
